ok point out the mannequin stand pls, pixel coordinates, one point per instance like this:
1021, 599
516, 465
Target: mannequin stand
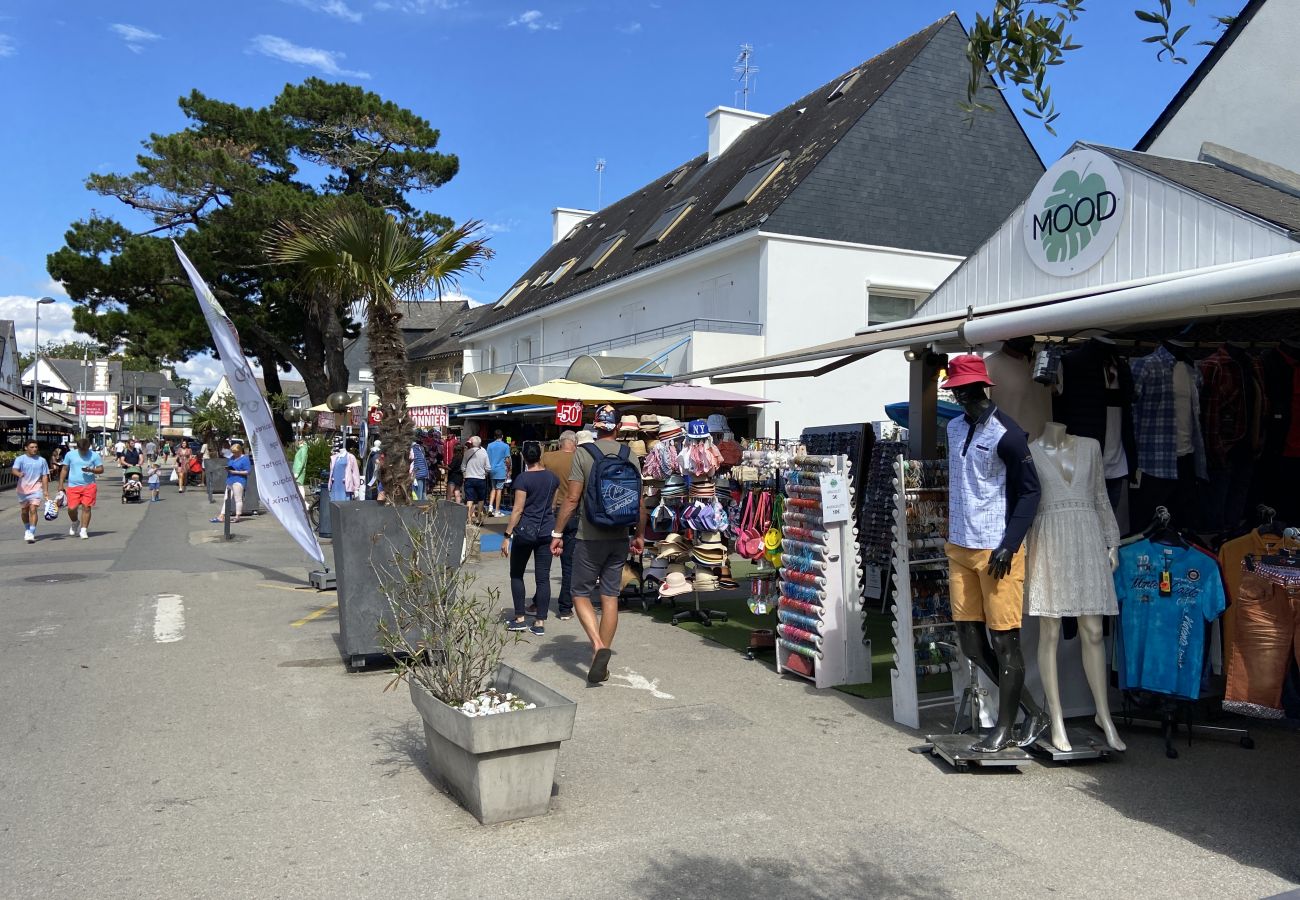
703, 616
955, 748
1167, 717
1084, 742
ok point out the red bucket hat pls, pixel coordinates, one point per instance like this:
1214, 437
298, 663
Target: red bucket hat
966, 369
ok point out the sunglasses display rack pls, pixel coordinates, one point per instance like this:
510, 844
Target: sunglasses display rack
876, 518
819, 635
923, 630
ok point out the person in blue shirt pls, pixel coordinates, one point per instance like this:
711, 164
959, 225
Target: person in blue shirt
499, 461
78, 473
237, 469
1167, 593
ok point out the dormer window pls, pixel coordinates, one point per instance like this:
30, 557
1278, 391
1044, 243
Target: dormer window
752, 183
601, 253
669, 219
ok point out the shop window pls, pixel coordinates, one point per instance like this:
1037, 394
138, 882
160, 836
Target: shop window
601, 253
559, 273
752, 183
669, 219
884, 307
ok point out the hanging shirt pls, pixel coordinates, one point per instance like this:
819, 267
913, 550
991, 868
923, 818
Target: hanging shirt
1114, 458
1184, 383
1155, 416
1166, 596
993, 485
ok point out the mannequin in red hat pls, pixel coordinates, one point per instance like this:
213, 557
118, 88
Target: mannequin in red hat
993, 497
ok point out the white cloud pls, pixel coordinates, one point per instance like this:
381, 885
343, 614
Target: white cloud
7, 46
54, 288
500, 227
56, 321
202, 371
326, 61
134, 36
534, 20
336, 8
416, 6
629, 28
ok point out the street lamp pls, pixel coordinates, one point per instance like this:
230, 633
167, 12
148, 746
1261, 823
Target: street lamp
36, 367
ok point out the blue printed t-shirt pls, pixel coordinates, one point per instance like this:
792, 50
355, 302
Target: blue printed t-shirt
498, 452
240, 467
1163, 636
30, 469
79, 464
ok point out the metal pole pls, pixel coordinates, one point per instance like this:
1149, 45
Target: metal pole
36, 375
230, 509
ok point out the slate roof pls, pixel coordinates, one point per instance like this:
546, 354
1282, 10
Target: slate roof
288, 387
419, 320
809, 129
1253, 197
70, 371
1221, 46
446, 337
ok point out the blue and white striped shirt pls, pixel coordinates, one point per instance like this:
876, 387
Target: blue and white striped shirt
993, 486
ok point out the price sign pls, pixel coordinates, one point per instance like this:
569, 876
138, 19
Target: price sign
374, 416
568, 413
835, 499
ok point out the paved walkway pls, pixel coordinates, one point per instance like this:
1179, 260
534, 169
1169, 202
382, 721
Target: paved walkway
178, 723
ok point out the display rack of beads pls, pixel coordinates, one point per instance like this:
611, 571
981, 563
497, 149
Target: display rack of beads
923, 630
820, 609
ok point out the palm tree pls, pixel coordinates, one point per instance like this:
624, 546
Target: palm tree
366, 256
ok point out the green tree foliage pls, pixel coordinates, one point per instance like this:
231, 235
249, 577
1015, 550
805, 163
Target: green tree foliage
1018, 47
216, 417
217, 186
370, 255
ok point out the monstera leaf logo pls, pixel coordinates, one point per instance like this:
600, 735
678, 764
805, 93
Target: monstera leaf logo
1071, 197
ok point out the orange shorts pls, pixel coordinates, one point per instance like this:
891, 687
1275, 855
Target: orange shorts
82, 496
979, 597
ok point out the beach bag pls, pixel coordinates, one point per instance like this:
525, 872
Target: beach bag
612, 495
772, 538
51, 510
749, 542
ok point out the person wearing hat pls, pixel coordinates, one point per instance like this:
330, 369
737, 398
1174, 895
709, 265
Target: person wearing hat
993, 496
600, 552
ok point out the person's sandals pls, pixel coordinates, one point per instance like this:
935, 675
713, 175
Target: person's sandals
538, 629
599, 667
516, 625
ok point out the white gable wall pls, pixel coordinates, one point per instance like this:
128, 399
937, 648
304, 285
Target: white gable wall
1248, 101
1166, 229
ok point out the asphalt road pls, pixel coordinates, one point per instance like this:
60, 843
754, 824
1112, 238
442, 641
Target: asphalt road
177, 723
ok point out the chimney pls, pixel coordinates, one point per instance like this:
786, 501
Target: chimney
727, 123
563, 219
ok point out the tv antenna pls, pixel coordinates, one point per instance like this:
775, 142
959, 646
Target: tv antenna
600, 179
745, 71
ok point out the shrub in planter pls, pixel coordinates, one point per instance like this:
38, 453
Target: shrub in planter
446, 641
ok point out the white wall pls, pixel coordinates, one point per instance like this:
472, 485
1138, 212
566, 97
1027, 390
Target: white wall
816, 293
1249, 100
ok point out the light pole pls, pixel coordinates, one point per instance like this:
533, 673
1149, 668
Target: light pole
36, 368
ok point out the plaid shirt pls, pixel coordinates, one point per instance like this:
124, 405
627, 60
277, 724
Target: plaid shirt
1155, 419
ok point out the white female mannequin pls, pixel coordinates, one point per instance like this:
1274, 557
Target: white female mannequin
1076, 468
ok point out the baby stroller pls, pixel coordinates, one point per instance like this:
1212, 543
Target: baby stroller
132, 486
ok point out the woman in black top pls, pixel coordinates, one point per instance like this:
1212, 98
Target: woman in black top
529, 534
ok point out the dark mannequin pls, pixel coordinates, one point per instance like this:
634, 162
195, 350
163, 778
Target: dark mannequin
999, 657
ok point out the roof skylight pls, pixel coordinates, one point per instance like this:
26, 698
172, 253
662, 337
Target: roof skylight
669, 219
601, 253
752, 182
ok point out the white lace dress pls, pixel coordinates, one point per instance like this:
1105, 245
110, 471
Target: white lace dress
1067, 572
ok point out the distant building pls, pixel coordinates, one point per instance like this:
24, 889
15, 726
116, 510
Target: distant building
9, 375
420, 320
293, 391
100, 393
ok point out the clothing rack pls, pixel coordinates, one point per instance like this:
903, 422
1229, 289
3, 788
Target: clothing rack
820, 632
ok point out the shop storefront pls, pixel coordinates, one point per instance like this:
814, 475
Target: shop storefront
1153, 306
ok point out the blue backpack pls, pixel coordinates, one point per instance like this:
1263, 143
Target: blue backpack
612, 496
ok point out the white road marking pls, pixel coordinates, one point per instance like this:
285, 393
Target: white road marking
40, 631
641, 683
168, 619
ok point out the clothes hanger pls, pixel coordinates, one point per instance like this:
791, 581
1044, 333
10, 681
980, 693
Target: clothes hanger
1160, 531
1269, 524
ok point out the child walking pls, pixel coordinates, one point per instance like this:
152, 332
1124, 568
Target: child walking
154, 480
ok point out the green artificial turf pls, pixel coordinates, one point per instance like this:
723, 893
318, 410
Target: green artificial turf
734, 633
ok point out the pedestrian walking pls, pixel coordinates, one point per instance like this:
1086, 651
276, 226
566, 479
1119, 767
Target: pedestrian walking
153, 477
456, 475
130, 458
77, 483
300, 466
184, 456
56, 458
150, 451
559, 463
605, 486
118, 449
499, 460
33, 474
477, 470
528, 536
419, 470
237, 469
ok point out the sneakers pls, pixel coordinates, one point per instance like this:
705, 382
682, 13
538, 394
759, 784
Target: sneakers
516, 625
29, 537
72, 531
538, 629
84, 534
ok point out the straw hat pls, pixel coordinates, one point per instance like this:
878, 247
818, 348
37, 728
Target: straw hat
668, 428
629, 425
674, 585
650, 424
705, 581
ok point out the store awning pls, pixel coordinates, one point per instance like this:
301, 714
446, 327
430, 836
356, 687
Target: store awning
698, 395
609, 370
527, 375
483, 384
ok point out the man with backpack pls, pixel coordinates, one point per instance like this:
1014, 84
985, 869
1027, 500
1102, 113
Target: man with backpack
605, 484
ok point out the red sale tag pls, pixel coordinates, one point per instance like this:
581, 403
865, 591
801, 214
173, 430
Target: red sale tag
568, 413
375, 416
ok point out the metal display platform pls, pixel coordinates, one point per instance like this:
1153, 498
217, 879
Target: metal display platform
1085, 744
955, 750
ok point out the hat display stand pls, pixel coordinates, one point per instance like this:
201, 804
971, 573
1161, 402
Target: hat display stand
819, 635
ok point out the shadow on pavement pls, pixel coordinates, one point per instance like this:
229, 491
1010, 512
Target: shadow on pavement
681, 876
569, 652
266, 573
402, 747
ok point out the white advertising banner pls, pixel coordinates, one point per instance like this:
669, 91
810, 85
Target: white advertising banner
275, 484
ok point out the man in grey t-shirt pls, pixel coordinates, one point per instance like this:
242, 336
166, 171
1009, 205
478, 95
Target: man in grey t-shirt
600, 552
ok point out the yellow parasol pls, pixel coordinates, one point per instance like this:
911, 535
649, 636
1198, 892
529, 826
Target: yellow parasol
558, 389
415, 396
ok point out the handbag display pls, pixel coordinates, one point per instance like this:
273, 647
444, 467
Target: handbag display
772, 537
749, 541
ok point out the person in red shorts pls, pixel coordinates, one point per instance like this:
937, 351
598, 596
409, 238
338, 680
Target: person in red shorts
77, 480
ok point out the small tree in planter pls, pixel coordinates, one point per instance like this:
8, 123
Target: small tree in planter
446, 640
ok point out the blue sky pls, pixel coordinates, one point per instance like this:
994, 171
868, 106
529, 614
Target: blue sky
528, 95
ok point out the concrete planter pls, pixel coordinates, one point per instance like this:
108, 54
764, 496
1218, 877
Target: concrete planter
498, 767
367, 534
